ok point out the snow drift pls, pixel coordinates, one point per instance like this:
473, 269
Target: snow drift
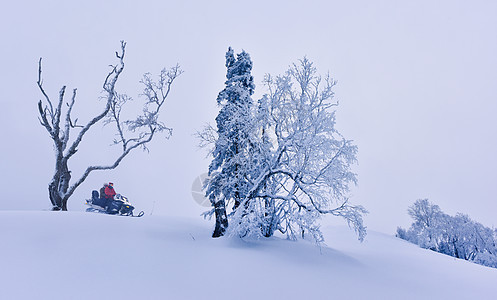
77, 255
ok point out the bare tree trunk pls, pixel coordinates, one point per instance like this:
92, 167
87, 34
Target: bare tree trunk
59, 185
221, 219
53, 193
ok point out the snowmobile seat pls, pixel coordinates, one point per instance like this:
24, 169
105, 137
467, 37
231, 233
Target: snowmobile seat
96, 200
94, 195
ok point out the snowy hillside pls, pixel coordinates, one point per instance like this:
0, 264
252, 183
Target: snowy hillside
77, 255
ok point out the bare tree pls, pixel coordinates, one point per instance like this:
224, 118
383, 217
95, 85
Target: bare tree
57, 120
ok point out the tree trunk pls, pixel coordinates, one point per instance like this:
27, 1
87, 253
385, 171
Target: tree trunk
236, 175
237, 194
221, 219
456, 253
59, 185
268, 227
53, 193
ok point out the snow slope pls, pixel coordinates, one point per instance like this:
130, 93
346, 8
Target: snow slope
77, 255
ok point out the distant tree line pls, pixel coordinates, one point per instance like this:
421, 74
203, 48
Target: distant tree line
457, 236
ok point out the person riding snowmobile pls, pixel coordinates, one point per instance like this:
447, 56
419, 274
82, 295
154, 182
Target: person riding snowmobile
102, 190
105, 199
109, 191
106, 196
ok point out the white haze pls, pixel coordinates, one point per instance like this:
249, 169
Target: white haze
416, 85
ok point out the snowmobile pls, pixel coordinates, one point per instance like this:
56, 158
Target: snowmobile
117, 206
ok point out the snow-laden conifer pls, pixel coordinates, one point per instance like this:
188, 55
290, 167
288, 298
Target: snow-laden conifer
228, 171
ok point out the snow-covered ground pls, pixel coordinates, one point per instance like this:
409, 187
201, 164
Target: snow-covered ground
78, 255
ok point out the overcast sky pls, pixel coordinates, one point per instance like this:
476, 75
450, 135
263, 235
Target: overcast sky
416, 84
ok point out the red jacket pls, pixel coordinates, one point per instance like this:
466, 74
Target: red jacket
109, 192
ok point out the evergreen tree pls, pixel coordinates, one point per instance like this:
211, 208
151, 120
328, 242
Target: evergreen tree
227, 171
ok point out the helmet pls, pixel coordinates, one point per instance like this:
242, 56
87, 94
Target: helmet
111, 184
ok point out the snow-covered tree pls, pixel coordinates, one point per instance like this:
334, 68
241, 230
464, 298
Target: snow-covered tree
426, 217
282, 163
56, 117
457, 236
303, 164
228, 170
